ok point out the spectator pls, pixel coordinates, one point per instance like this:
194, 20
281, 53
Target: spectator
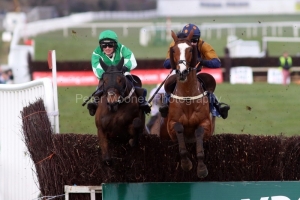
3, 78
10, 76
285, 64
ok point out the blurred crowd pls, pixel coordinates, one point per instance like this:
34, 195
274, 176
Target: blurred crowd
6, 75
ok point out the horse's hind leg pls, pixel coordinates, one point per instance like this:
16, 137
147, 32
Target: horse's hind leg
137, 129
186, 164
201, 168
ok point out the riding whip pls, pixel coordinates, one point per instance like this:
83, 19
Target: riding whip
159, 87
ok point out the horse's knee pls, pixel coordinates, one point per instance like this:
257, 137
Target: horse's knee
137, 123
199, 132
178, 127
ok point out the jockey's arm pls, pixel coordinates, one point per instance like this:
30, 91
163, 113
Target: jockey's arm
213, 63
209, 58
97, 69
167, 64
129, 59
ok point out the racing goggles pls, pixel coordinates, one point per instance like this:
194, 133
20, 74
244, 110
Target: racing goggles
107, 44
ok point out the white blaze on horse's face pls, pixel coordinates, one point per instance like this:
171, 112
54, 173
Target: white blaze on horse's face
182, 47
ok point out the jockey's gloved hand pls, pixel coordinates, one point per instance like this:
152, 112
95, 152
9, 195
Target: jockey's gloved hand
199, 65
125, 69
202, 62
199, 68
199, 60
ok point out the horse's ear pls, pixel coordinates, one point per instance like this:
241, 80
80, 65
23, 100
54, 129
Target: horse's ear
103, 65
190, 36
174, 36
120, 64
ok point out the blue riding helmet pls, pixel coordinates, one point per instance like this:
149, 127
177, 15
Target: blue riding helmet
187, 29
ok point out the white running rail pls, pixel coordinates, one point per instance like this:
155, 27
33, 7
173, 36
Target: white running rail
17, 172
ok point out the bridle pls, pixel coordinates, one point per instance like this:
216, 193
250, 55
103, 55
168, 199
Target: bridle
184, 62
121, 90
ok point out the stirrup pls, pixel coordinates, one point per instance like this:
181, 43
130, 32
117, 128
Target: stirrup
164, 110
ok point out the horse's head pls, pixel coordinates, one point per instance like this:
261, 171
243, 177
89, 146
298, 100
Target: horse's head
183, 55
114, 84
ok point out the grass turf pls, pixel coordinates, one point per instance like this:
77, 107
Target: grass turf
259, 109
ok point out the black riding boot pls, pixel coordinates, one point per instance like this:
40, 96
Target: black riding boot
92, 106
164, 108
144, 105
222, 109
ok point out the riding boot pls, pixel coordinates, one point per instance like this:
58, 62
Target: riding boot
218, 108
164, 108
144, 105
222, 108
92, 106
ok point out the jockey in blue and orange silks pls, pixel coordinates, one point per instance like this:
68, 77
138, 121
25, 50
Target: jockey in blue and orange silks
206, 57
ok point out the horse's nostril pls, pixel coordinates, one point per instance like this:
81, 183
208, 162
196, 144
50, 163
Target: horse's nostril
185, 72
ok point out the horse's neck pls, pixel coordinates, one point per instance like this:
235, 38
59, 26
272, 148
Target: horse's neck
190, 86
129, 86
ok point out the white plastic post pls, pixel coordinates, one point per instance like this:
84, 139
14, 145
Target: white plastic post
52, 65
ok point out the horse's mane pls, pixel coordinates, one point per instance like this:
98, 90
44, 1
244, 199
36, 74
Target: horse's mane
112, 69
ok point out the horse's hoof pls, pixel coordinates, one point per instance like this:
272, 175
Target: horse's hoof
132, 143
202, 171
186, 164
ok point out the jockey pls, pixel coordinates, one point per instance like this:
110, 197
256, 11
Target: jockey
111, 52
206, 57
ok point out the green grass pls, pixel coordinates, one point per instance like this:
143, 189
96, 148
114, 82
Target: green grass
274, 109
79, 46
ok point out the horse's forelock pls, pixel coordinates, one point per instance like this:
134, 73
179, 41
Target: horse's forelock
112, 69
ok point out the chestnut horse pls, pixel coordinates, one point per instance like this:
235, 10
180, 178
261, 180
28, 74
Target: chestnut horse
189, 118
118, 116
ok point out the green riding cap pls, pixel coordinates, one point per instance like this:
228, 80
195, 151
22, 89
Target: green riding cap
108, 34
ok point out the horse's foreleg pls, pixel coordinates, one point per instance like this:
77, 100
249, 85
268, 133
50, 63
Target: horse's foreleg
136, 130
103, 142
186, 164
213, 122
201, 168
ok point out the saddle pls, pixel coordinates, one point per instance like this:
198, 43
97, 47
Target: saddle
207, 81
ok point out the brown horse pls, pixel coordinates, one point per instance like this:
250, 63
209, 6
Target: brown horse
118, 116
189, 118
